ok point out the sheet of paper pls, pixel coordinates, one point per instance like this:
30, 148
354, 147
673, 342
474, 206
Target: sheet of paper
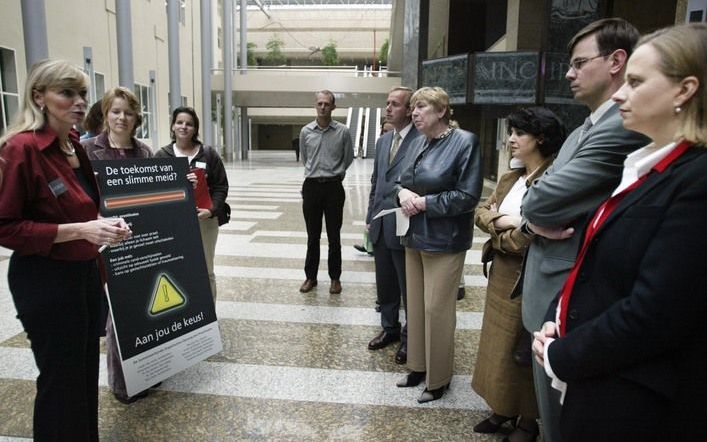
402, 222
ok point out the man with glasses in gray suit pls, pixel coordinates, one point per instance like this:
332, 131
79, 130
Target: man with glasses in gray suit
588, 167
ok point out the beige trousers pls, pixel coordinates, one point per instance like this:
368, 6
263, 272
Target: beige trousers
432, 284
209, 235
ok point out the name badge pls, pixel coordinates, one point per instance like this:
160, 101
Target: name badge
57, 187
200, 165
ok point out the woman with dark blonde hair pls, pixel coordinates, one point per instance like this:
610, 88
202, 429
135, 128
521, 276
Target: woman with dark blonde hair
625, 341
48, 217
121, 118
438, 190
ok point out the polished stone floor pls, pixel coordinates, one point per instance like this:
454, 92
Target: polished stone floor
294, 366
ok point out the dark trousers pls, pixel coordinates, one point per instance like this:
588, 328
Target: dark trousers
58, 305
323, 197
390, 286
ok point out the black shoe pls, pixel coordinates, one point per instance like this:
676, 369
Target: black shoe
523, 434
412, 379
432, 395
382, 340
130, 399
360, 248
461, 293
401, 356
493, 423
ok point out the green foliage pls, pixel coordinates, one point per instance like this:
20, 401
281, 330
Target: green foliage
329, 55
251, 54
274, 57
383, 56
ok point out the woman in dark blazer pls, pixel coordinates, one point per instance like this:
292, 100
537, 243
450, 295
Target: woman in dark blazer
626, 338
185, 143
440, 184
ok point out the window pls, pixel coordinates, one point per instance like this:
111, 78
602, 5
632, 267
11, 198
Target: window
99, 82
9, 98
143, 96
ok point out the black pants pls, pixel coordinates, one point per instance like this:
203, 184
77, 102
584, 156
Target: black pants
390, 286
58, 305
323, 197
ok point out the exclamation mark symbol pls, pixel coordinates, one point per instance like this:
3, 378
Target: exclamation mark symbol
166, 295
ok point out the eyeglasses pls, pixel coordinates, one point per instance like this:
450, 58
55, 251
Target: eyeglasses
578, 63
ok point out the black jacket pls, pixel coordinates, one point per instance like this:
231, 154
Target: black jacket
636, 317
216, 177
447, 172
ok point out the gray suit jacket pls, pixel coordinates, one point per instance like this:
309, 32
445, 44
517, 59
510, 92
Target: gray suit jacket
585, 172
382, 183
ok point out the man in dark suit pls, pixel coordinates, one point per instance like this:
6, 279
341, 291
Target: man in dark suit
388, 253
588, 167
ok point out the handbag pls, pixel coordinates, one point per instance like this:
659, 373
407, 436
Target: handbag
522, 352
224, 215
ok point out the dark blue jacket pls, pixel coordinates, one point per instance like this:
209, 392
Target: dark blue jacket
447, 172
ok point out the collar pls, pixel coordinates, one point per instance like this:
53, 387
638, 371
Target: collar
332, 124
45, 137
404, 131
601, 110
640, 162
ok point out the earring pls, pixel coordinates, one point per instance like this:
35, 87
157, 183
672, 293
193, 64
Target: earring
41, 108
678, 109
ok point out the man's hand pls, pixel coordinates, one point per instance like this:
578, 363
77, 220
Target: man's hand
551, 232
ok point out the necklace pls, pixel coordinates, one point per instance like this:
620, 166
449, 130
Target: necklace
68, 149
114, 144
444, 134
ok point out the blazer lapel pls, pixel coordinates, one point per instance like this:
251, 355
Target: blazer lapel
402, 149
655, 180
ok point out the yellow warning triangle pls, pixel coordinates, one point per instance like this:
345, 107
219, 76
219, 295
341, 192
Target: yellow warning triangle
166, 296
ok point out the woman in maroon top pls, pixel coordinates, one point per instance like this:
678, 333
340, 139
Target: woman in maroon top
121, 118
49, 217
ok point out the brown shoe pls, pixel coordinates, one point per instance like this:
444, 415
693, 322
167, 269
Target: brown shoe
308, 285
335, 288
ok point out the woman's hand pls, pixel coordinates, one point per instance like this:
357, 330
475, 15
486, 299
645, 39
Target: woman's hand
543, 337
407, 200
191, 176
203, 213
105, 231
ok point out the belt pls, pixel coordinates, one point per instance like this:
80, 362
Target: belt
325, 179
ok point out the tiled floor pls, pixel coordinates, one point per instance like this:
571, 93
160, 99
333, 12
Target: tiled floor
294, 366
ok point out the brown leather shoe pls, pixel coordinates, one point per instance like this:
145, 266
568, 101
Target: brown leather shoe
308, 285
335, 288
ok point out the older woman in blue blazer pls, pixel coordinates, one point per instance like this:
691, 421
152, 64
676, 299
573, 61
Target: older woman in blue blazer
440, 185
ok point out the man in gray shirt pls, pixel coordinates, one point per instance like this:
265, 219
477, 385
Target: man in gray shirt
326, 152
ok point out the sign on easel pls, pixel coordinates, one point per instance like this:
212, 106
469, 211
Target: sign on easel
158, 286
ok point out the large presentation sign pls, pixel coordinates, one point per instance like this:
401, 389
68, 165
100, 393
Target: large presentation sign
158, 286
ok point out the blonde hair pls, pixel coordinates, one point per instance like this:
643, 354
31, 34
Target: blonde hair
683, 53
44, 75
437, 98
127, 95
